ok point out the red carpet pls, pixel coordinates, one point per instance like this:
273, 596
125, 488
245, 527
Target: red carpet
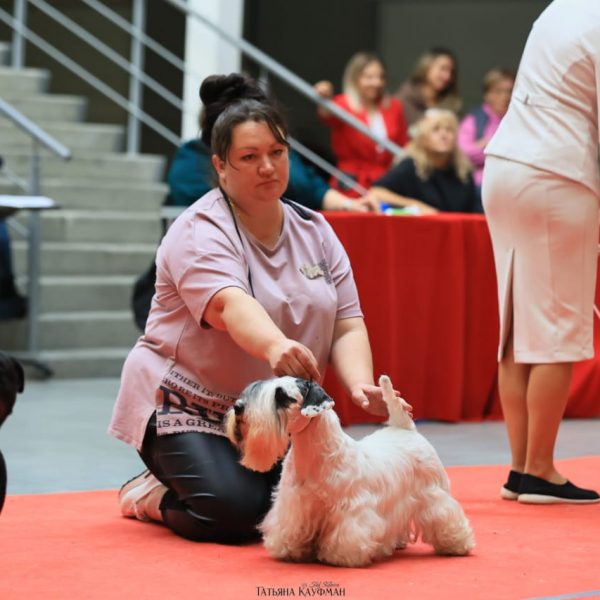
76, 546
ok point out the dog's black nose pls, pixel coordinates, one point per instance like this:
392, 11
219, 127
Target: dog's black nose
238, 408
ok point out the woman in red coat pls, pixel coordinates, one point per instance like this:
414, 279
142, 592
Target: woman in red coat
364, 97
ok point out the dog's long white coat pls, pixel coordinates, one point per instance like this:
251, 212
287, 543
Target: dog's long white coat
348, 502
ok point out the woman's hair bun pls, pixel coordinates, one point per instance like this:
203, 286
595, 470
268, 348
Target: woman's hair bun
224, 89
217, 92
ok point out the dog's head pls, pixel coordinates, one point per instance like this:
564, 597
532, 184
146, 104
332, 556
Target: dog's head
259, 423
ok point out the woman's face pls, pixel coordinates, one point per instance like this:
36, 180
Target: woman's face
257, 167
371, 82
498, 96
440, 73
440, 137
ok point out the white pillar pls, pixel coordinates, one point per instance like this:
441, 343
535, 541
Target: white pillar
207, 54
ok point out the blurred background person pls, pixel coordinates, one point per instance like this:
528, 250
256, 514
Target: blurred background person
480, 124
12, 304
365, 98
435, 175
433, 83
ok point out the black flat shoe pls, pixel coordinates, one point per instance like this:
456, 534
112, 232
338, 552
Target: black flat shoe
535, 490
510, 490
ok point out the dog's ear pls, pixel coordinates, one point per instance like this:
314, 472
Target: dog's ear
282, 399
315, 397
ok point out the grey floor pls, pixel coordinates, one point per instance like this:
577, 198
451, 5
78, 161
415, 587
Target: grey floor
56, 439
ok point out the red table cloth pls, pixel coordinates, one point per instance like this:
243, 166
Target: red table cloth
428, 292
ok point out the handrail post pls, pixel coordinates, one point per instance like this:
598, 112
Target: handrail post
33, 255
135, 84
17, 58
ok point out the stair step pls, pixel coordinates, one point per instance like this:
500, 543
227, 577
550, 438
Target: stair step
95, 293
49, 107
99, 136
23, 82
99, 195
100, 226
62, 330
85, 362
145, 168
64, 258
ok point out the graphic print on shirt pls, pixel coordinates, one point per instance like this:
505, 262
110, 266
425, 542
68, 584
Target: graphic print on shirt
184, 405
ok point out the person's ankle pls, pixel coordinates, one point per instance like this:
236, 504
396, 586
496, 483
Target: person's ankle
549, 474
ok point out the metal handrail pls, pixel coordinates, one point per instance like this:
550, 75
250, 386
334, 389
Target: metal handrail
123, 24
134, 68
102, 87
314, 158
289, 77
35, 131
107, 51
39, 138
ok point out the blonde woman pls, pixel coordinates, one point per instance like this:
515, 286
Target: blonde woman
433, 83
435, 175
363, 97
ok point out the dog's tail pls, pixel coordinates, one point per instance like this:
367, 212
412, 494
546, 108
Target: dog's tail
397, 407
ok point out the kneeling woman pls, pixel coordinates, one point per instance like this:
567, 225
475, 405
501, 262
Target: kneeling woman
248, 286
435, 175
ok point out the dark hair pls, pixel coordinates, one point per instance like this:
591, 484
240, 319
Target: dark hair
230, 100
426, 60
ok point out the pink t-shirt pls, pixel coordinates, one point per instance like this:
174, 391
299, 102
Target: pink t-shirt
191, 373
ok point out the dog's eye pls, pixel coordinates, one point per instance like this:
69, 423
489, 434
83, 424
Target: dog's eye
238, 409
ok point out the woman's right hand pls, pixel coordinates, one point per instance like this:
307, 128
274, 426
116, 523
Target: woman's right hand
288, 357
324, 89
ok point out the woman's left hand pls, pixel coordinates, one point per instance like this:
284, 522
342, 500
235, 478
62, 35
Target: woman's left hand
370, 398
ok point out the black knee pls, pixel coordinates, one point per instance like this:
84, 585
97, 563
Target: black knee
227, 516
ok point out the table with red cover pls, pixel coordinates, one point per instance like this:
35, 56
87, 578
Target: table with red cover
428, 292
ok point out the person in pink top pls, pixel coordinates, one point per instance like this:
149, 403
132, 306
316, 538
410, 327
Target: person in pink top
249, 286
480, 124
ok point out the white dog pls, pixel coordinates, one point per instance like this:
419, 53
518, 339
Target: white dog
342, 501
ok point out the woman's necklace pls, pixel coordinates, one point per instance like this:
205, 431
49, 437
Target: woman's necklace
269, 239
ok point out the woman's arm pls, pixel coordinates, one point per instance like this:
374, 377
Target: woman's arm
352, 361
249, 325
325, 90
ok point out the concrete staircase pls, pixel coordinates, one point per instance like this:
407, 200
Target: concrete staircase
103, 236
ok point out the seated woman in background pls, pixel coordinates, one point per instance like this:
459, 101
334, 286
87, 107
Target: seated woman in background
478, 127
191, 175
435, 175
433, 83
364, 97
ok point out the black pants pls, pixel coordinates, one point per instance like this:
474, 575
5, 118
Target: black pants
211, 496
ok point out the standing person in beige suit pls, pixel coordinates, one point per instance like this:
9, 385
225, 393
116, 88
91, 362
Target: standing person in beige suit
541, 189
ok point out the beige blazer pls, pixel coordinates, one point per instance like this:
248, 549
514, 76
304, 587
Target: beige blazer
552, 120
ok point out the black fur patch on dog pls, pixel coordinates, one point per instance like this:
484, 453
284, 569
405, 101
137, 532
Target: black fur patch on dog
282, 400
315, 397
